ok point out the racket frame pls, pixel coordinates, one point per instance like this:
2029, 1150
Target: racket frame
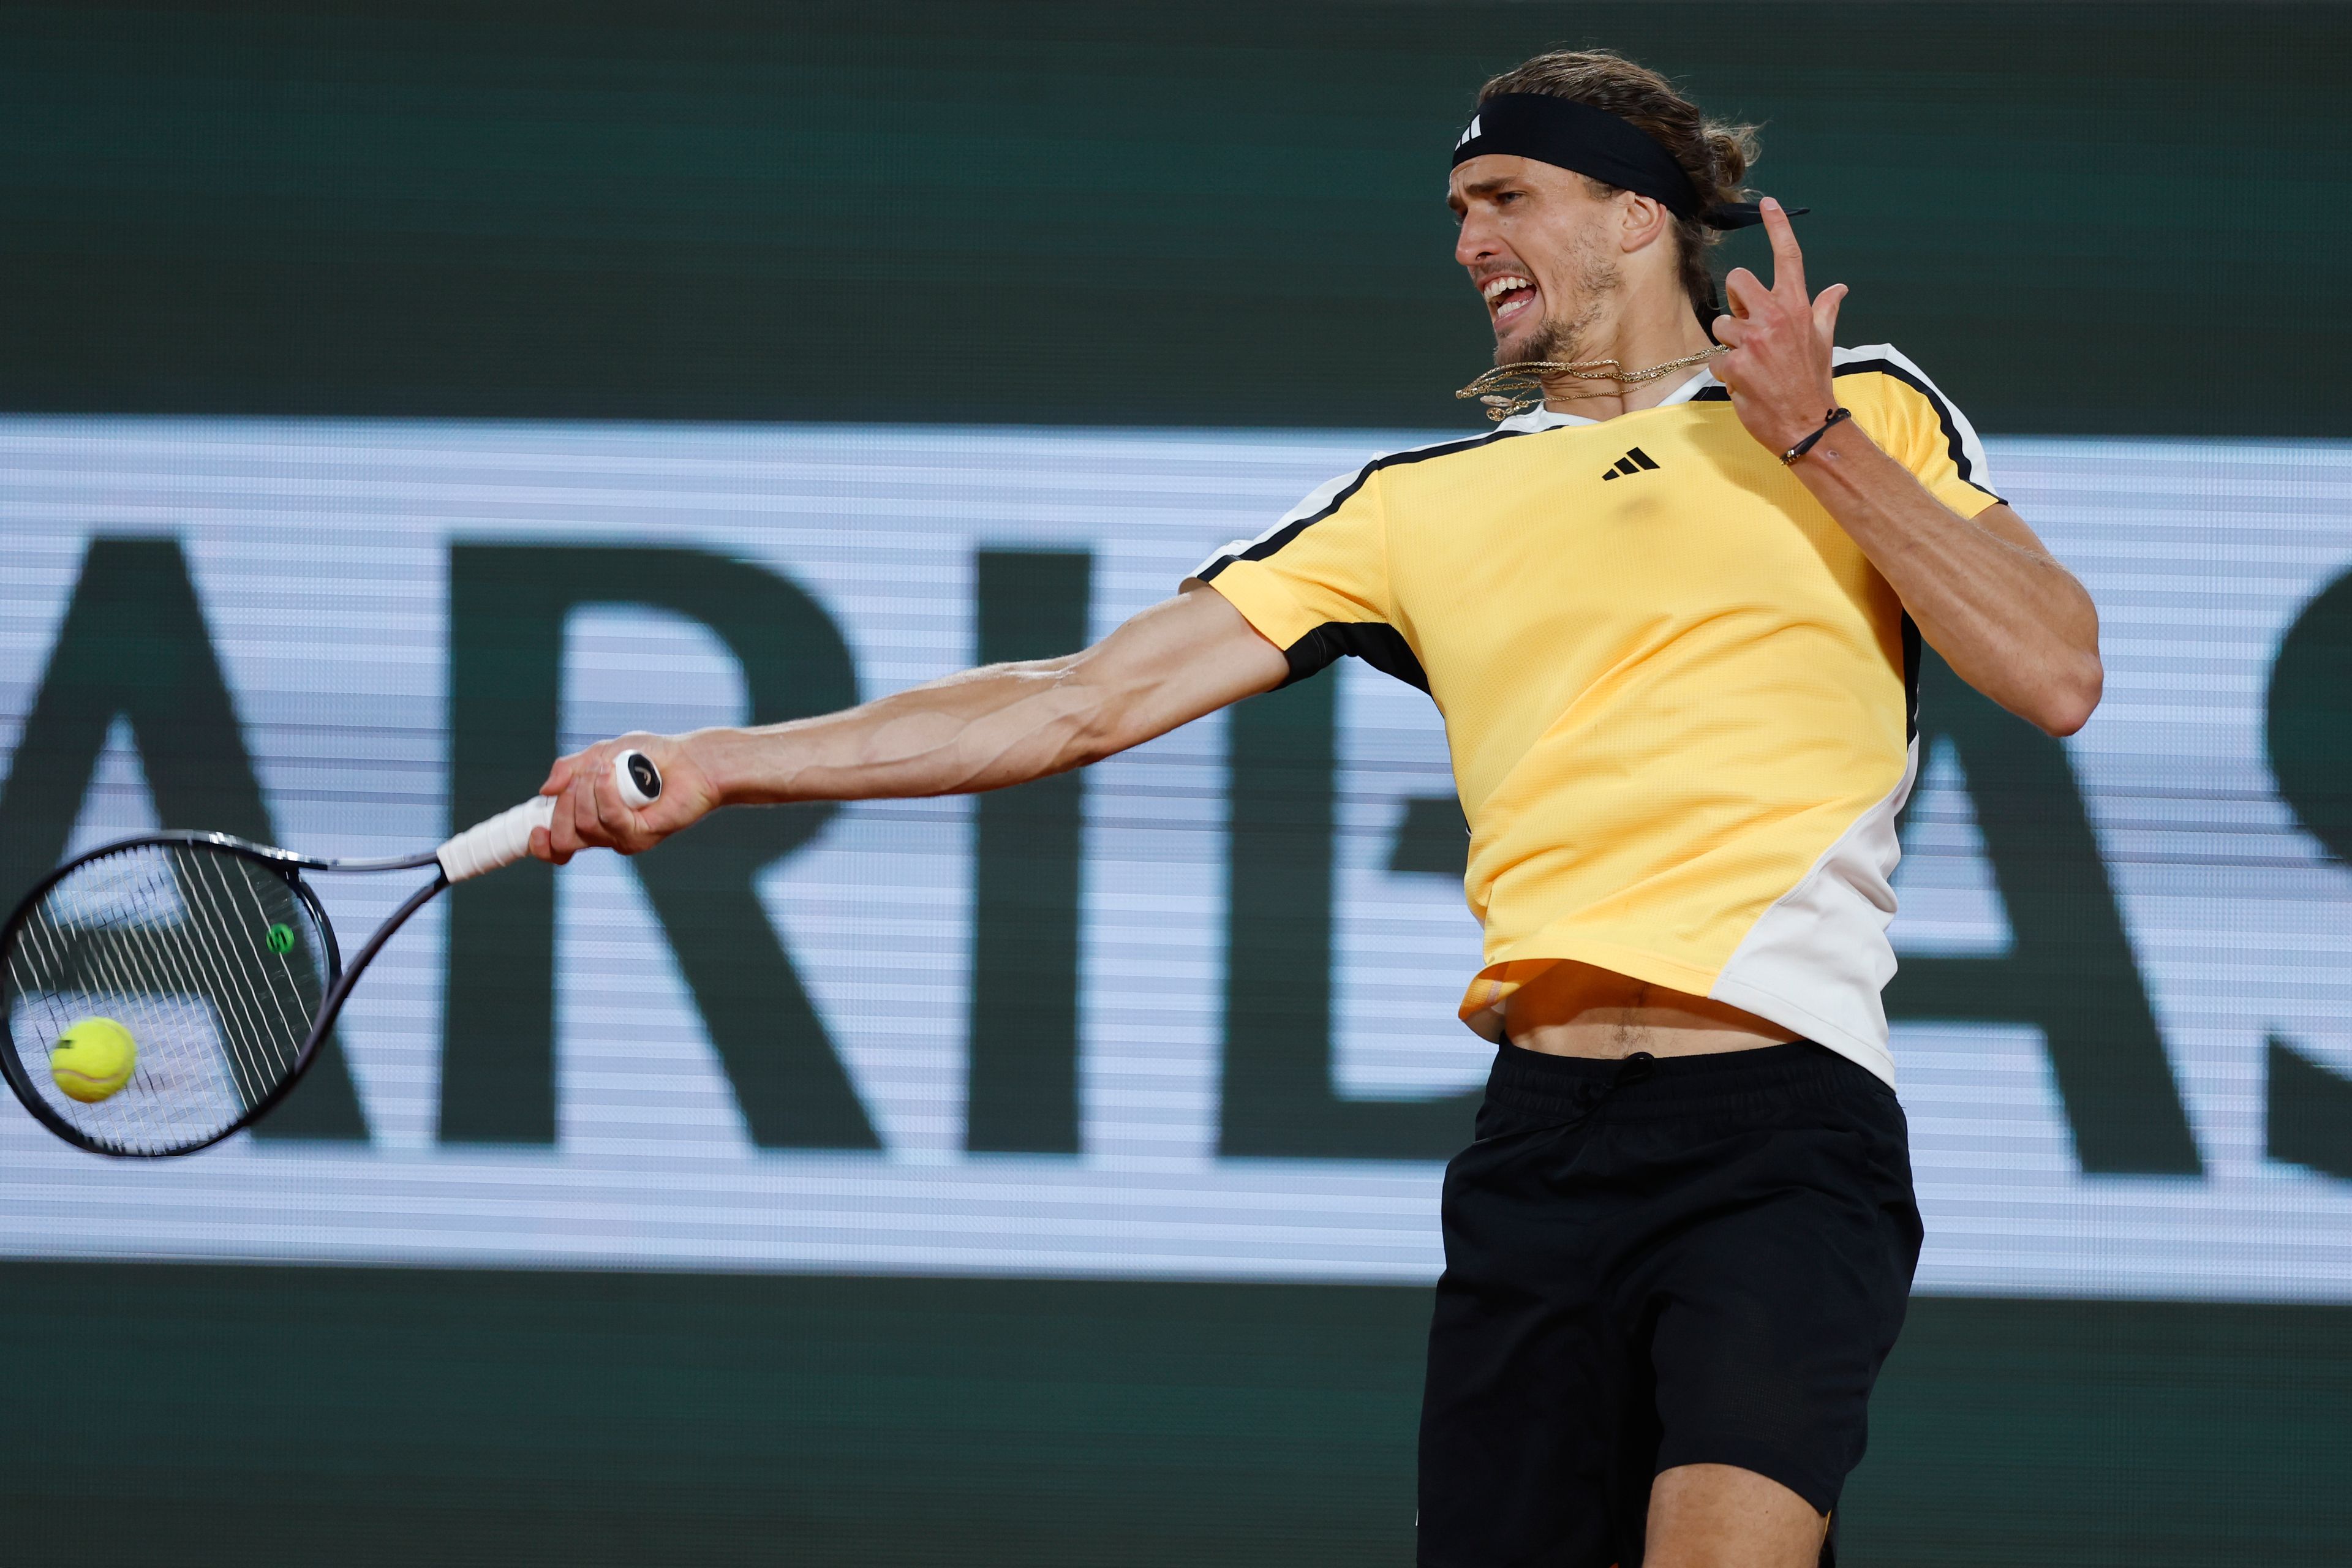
469, 862
287, 865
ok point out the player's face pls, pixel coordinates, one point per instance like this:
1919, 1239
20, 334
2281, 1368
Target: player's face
1537, 245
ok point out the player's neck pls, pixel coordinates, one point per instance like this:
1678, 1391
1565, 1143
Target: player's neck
1648, 332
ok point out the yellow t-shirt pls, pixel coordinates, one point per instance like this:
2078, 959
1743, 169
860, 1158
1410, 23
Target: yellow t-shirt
1679, 699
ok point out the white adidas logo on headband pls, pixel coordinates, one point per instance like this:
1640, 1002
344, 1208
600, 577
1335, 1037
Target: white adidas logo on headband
1466, 135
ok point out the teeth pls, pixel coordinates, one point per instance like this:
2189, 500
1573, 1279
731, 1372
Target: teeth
1496, 287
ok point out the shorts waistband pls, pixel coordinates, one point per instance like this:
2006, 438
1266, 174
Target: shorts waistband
1537, 1084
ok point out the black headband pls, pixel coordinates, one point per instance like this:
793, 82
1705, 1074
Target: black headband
1594, 142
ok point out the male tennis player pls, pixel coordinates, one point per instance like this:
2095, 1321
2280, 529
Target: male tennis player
1670, 614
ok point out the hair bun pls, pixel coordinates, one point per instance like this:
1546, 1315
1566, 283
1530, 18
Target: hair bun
1731, 151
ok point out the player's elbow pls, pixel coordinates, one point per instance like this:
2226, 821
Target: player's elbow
2070, 695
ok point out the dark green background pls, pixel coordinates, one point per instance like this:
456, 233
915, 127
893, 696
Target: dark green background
206, 1416
2096, 217
2101, 219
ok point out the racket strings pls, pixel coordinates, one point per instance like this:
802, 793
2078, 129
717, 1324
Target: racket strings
257, 1054
70, 962
136, 945
211, 960
82, 971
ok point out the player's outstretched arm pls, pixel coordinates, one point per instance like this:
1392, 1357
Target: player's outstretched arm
982, 730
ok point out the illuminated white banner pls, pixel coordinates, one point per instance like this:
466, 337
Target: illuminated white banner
1063, 1031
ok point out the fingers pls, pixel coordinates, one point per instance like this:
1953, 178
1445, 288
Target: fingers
542, 848
574, 824
559, 775
543, 839
1743, 290
1780, 367
1787, 256
587, 812
563, 840
1825, 312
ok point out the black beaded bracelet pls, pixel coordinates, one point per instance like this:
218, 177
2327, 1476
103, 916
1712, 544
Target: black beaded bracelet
1805, 446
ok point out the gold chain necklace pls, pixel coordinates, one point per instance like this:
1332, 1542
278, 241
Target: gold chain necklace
1512, 389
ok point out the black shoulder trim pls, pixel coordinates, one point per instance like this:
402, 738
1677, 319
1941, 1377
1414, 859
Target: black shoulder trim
1935, 400
1274, 541
1377, 643
1887, 367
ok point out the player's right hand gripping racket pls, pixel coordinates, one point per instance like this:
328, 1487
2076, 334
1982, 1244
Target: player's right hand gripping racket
165, 991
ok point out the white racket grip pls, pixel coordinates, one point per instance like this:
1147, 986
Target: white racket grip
501, 841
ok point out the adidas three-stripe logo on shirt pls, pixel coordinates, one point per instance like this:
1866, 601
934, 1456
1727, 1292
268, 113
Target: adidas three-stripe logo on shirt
1632, 462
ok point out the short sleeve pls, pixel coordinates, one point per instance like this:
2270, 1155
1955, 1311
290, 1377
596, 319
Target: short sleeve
1316, 584
1918, 425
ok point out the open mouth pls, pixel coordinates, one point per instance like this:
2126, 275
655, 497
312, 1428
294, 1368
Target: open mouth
1509, 296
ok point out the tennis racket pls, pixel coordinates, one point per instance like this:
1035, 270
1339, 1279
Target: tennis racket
167, 990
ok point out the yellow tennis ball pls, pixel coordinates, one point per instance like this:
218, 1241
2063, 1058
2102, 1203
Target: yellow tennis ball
93, 1060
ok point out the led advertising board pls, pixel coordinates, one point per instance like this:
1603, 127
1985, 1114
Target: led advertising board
1189, 1014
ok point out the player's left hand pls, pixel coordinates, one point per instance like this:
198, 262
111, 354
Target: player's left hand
1778, 367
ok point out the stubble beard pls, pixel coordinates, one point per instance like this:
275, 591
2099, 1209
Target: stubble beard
1565, 334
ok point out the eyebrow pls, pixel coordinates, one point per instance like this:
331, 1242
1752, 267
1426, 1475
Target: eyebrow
1485, 187
1455, 202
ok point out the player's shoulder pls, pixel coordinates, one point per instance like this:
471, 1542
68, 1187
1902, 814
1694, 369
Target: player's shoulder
1887, 369
1338, 491
1880, 378
1450, 451
1341, 497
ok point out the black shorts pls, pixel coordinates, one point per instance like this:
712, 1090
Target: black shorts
1653, 1263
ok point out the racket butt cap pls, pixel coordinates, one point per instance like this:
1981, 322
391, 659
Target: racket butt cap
638, 781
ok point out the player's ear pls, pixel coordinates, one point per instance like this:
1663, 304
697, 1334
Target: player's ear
1640, 221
